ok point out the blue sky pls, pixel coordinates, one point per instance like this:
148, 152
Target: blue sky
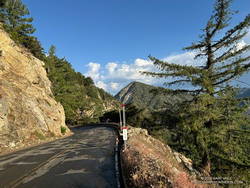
110, 40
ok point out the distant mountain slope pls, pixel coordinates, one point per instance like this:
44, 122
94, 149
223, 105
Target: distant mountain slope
141, 96
244, 92
145, 105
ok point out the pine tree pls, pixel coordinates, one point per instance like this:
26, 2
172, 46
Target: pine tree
52, 51
15, 18
14, 15
213, 108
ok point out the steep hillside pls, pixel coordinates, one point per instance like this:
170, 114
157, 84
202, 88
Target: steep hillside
227, 160
142, 99
146, 107
142, 96
150, 163
243, 93
83, 102
28, 111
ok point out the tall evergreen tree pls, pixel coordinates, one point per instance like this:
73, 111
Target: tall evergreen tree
213, 108
14, 15
52, 51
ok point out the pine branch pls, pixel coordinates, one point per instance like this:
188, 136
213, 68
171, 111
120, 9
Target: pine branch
154, 74
227, 39
178, 82
229, 53
247, 66
234, 73
221, 13
195, 46
165, 66
222, 74
181, 91
200, 55
235, 63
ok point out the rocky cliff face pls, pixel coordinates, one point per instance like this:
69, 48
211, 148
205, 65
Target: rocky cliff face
28, 111
96, 109
142, 96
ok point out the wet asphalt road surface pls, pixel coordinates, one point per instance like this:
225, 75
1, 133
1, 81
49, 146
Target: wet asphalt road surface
84, 160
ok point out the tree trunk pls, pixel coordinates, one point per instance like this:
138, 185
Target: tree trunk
206, 163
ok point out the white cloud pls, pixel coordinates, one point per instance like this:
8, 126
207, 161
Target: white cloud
186, 58
247, 37
102, 85
240, 45
114, 86
111, 67
142, 62
117, 75
129, 72
93, 71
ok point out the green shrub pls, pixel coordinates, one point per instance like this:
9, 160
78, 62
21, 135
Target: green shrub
39, 135
63, 129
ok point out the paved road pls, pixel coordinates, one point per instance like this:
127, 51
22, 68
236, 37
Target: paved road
85, 159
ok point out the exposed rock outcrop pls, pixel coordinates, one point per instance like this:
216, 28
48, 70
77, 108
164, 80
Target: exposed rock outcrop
150, 163
143, 96
28, 111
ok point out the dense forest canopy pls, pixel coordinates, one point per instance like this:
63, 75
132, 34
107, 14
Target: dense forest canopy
76, 92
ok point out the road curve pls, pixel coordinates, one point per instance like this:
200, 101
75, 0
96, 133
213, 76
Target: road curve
86, 159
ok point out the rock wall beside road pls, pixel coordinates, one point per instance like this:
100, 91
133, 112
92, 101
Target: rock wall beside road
28, 111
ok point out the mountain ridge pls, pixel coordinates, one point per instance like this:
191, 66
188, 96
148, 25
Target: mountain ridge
146, 96
128, 94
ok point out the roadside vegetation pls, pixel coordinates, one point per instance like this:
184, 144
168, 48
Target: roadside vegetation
74, 91
212, 127
63, 130
16, 21
210, 123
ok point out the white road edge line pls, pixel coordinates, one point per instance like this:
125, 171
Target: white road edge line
117, 165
